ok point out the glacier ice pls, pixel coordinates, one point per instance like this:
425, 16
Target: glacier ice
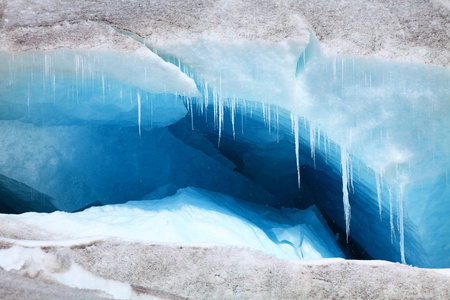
199, 216
391, 118
366, 141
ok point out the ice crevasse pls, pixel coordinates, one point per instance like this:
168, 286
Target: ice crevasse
278, 124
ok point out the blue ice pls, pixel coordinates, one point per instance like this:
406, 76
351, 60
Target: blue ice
367, 142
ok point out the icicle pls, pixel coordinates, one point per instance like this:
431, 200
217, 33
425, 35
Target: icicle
243, 111
398, 214
215, 109
347, 208
401, 229
377, 178
44, 72
294, 121
233, 108
312, 143
220, 111
206, 95
391, 214
264, 113
103, 88
334, 68
28, 99
325, 148
192, 113
54, 88
278, 127
318, 138
220, 120
151, 110
351, 176
292, 124
139, 111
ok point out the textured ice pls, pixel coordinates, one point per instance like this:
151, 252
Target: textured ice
195, 216
388, 121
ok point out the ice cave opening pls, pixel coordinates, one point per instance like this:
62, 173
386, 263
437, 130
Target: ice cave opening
275, 147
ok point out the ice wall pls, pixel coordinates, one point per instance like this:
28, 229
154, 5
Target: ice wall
389, 119
77, 129
276, 123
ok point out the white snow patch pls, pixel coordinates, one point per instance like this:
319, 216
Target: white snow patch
33, 262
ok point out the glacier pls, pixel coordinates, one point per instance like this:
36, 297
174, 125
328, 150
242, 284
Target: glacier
194, 216
363, 142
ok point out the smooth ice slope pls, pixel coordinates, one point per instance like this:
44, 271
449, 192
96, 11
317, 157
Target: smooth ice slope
198, 216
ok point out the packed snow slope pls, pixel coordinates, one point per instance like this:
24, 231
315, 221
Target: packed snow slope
344, 105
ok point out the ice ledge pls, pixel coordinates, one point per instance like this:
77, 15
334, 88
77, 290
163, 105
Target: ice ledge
394, 30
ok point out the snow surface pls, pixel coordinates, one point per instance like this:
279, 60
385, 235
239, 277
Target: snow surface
186, 271
35, 260
15, 286
394, 30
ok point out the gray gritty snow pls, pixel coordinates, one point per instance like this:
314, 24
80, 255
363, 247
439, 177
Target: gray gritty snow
403, 30
219, 272
16, 286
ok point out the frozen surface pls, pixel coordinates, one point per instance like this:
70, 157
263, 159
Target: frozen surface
186, 271
394, 30
197, 216
15, 286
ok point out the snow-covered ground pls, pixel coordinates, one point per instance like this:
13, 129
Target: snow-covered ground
136, 270
396, 30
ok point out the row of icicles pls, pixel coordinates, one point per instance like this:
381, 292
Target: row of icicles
271, 117
86, 72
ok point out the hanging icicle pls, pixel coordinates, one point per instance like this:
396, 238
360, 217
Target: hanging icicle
345, 169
